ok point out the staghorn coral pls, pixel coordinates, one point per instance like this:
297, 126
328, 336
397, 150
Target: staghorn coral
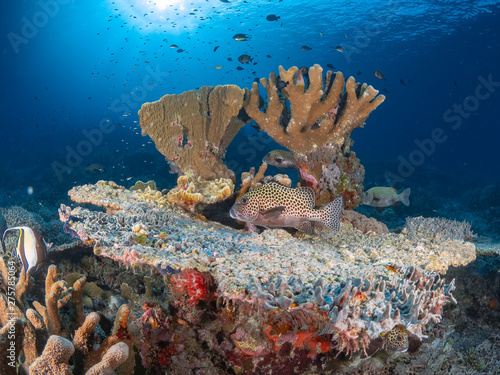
194, 128
321, 112
190, 191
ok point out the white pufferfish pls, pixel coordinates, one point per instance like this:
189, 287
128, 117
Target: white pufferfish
276, 206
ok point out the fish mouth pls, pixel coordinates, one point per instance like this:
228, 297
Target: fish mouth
233, 214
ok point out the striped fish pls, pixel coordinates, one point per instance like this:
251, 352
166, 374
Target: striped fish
31, 248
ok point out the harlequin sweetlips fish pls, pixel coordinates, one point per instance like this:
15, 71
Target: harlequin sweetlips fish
31, 248
397, 338
380, 197
276, 206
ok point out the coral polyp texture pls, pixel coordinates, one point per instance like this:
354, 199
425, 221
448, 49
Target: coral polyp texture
192, 191
318, 293
193, 129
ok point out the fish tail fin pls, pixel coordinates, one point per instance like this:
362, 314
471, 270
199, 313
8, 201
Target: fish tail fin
330, 214
404, 197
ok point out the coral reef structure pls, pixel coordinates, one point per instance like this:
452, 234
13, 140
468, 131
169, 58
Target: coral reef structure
193, 129
192, 191
352, 290
320, 112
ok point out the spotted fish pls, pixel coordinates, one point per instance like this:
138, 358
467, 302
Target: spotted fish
397, 338
277, 206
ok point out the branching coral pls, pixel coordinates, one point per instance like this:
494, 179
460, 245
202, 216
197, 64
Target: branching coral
321, 113
194, 128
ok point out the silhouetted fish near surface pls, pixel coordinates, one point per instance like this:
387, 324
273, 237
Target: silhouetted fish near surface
174, 46
339, 48
305, 48
215, 49
31, 248
95, 168
272, 17
281, 159
379, 75
241, 37
276, 206
402, 82
240, 68
330, 66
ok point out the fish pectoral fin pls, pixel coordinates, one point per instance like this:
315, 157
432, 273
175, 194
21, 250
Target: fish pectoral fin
305, 227
273, 213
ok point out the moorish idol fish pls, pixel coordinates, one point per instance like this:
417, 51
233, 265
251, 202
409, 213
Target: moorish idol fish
31, 248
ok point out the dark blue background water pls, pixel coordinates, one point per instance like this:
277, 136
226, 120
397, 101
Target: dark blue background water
71, 66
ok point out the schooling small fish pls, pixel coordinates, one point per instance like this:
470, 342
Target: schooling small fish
281, 159
380, 197
305, 48
339, 48
95, 168
244, 59
272, 17
241, 37
31, 248
379, 75
397, 338
276, 206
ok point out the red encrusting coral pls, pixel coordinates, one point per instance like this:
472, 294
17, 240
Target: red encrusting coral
198, 285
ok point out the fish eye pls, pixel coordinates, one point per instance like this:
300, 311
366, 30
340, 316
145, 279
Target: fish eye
244, 200
279, 160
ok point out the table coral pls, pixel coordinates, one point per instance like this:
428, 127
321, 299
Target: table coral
345, 289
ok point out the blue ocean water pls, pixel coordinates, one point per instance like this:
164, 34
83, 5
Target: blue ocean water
74, 75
